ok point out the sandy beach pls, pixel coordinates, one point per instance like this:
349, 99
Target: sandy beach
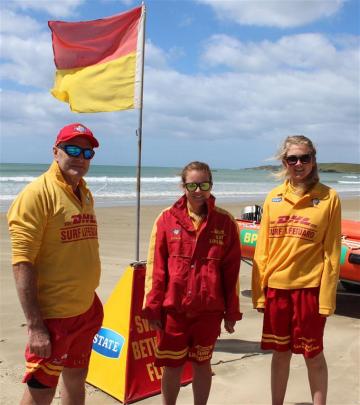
241, 369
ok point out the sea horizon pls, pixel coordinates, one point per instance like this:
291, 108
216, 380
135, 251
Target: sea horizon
115, 185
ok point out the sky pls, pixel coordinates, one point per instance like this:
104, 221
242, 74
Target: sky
225, 81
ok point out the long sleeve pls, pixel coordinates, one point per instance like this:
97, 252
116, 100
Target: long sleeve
156, 272
260, 260
27, 218
332, 249
231, 268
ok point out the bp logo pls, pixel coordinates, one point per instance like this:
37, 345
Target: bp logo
108, 343
248, 237
344, 250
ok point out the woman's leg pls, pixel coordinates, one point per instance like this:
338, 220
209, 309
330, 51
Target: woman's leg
170, 384
202, 376
280, 368
318, 378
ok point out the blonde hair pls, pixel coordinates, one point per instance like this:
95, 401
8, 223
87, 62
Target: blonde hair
199, 166
313, 177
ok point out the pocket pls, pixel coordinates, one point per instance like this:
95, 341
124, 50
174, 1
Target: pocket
180, 248
212, 285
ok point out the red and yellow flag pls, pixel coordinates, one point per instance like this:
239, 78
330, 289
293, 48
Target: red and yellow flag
99, 62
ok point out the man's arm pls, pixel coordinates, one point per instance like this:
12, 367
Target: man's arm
26, 285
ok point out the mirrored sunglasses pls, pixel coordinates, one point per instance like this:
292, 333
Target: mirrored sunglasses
293, 159
75, 151
203, 186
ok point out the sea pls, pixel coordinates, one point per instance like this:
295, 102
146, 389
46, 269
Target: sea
116, 185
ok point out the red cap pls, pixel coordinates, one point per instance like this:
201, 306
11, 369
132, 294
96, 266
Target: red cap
73, 130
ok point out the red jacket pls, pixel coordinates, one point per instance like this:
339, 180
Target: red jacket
191, 271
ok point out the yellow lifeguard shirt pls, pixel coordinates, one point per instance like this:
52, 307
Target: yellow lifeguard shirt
299, 244
56, 232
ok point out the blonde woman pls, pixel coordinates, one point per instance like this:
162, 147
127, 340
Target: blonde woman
296, 267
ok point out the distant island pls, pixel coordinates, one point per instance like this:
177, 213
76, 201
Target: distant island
323, 167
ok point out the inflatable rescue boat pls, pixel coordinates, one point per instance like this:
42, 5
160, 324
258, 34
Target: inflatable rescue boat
249, 225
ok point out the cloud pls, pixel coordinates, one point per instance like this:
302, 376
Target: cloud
241, 104
63, 8
155, 56
127, 2
244, 105
245, 92
27, 61
274, 13
21, 25
304, 52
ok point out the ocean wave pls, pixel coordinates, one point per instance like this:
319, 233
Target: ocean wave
99, 179
17, 179
105, 179
154, 194
7, 197
348, 182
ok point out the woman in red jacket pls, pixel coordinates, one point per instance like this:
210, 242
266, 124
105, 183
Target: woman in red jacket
191, 282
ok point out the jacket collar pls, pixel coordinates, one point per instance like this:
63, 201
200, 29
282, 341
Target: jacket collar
180, 211
318, 191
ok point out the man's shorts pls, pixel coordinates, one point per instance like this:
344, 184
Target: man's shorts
292, 321
187, 338
71, 344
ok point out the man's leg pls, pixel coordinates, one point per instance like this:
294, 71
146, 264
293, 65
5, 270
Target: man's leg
170, 384
72, 390
37, 396
318, 378
280, 368
202, 376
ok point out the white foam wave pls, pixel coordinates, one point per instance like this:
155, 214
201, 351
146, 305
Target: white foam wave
105, 179
153, 194
7, 197
100, 179
18, 179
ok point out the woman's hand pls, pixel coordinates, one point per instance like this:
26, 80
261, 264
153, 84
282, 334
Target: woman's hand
229, 326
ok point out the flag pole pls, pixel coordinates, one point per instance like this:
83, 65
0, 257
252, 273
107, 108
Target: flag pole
139, 136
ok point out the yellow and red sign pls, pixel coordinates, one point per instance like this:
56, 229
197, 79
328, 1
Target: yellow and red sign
122, 359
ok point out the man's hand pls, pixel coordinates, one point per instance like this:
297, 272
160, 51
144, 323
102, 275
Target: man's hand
155, 324
39, 342
27, 288
229, 326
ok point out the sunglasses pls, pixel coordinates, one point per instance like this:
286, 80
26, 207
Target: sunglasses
75, 151
293, 159
203, 186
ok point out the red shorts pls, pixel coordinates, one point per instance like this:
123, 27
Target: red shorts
71, 344
184, 338
292, 321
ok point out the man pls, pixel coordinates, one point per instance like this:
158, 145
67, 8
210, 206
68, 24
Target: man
56, 265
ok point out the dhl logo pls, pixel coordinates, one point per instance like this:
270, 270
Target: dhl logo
293, 219
82, 219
